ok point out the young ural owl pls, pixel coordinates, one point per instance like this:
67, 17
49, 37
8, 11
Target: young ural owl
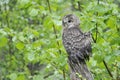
78, 47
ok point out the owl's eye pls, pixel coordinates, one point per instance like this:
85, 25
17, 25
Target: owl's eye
69, 21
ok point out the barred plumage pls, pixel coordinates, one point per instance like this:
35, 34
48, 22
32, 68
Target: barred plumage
77, 45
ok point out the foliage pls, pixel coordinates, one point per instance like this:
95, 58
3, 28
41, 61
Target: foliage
30, 38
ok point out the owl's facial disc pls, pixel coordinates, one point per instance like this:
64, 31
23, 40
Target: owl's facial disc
70, 21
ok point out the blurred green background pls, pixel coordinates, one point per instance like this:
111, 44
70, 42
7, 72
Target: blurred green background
31, 45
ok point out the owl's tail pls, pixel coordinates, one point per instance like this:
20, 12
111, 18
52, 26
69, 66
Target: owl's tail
79, 70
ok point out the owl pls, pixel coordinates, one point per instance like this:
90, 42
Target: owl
77, 45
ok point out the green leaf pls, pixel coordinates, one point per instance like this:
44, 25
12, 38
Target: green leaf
111, 22
21, 77
3, 41
23, 3
41, 8
100, 9
31, 56
37, 44
107, 58
35, 33
38, 77
13, 76
20, 45
48, 22
33, 12
117, 52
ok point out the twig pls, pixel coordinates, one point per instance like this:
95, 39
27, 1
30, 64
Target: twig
49, 6
96, 35
9, 37
54, 27
103, 60
79, 6
117, 28
107, 68
98, 1
48, 75
93, 38
56, 37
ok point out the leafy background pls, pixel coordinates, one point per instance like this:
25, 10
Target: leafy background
31, 45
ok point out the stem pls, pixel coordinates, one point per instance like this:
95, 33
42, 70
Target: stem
54, 27
56, 37
9, 37
98, 1
79, 5
117, 28
93, 38
64, 74
49, 6
96, 35
107, 68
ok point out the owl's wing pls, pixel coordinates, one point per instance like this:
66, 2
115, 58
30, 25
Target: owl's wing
85, 45
78, 45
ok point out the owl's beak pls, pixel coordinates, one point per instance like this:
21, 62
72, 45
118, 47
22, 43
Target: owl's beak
70, 25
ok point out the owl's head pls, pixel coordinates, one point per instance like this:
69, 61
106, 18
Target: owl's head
70, 21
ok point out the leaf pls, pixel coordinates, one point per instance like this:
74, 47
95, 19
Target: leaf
111, 22
107, 58
13, 76
41, 8
23, 3
3, 41
37, 44
35, 33
100, 9
20, 45
117, 52
31, 56
33, 12
21, 77
38, 77
48, 22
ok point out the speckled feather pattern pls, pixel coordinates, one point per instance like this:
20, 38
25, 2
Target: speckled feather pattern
76, 43
78, 47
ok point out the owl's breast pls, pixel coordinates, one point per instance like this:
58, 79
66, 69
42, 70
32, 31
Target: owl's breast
71, 37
